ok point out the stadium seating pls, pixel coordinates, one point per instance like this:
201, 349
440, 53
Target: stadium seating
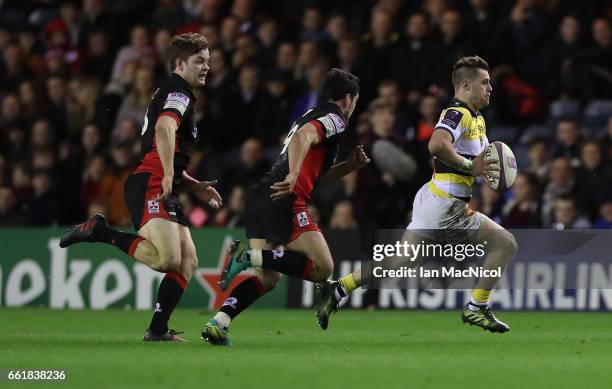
597, 113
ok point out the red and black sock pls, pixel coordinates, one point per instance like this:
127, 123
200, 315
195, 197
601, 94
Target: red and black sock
242, 296
124, 241
170, 291
287, 262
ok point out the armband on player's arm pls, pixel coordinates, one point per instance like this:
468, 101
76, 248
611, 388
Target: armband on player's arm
165, 139
304, 138
441, 146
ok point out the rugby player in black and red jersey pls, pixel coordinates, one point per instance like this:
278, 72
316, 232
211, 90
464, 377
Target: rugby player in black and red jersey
283, 238
168, 134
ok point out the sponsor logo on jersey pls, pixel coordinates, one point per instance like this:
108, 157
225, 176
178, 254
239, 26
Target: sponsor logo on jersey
194, 132
276, 254
452, 118
178, 101
330, 128
333, 124
340, 126
153, 206
302, 219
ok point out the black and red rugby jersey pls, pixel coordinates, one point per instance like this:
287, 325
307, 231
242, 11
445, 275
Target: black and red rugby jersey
174, 98
331, 125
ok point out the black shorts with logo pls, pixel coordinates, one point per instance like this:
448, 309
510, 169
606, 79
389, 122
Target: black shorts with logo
140, 191
277, 221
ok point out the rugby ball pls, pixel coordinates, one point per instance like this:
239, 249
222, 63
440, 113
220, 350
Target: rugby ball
504, 157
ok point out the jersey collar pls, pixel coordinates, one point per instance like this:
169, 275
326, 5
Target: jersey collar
455, 102
337, 109
182, 81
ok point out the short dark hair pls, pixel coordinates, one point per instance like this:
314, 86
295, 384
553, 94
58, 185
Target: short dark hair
467, 68
184, 46
338, 84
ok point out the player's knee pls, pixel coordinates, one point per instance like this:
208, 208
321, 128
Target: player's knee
507, 246
189, 266
170, 262
193, 263
511, 246
322, 270
270, 280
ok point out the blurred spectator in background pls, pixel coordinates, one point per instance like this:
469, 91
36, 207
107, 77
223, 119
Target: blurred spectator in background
487, 201
379, 185
135, 103
111, 191
562, 183
9, 214
57, 97
538, 154
277, 110
99, 59
91, 180
523, 209
594, 63
247, 99
377, 48
315, 75
312, 25
410, 64
42, 209
139, 46
559, 58
342, 217
233, 214
568, 141
605, 215
593, 178
249, 168
567, 216
453, 45
482, 23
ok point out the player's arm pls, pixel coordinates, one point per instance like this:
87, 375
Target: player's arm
441, 147
203, 190
303, 139
357, 159
165, 139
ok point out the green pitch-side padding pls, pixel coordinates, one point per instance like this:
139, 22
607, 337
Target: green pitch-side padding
35, 271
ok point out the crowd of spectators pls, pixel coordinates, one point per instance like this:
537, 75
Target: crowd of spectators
76, 78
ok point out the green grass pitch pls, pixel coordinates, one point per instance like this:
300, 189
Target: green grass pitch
285, 349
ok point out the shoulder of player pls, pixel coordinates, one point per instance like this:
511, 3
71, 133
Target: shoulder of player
463, 112
332, 119
173, 87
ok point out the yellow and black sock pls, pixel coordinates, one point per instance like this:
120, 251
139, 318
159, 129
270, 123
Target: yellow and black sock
346, 285
479, 298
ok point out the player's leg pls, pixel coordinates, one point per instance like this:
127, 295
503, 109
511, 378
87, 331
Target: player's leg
306, 257
280, 222
175, 281
97, 230
241, 297
501, 248
330, 293
145, 212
